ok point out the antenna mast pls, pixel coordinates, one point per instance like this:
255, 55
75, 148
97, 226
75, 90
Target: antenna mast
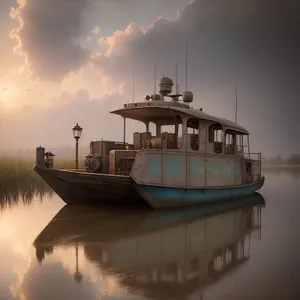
236, 97
133, 85
240, 27
186, 64
155, 78
177, 79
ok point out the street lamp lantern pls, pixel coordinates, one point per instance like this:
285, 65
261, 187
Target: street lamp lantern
77, 134
77, 131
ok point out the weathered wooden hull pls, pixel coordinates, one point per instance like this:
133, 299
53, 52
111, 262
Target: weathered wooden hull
89, 188
167, 197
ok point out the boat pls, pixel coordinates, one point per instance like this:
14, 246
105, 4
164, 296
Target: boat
191, 158
173, 252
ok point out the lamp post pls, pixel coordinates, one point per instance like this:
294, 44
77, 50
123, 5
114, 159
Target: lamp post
78, 276
77, 134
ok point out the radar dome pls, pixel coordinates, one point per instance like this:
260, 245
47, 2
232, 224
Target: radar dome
188, 97
165, 86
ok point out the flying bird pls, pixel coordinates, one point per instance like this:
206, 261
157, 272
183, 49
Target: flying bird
3, 90
41, 94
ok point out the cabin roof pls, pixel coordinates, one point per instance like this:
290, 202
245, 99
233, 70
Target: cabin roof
151, 111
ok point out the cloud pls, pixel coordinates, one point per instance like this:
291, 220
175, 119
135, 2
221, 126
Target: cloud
48, 36
259, 36
51, 126
37, 282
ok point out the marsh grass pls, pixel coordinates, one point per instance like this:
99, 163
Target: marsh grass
18, 182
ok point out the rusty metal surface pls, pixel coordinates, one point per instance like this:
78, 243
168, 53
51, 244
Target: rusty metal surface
121, 161
169, 168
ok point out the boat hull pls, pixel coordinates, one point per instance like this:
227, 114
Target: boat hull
167, 197
80, 188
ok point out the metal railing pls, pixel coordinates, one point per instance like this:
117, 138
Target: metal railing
256, 158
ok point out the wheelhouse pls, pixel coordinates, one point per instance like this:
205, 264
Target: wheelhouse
179, 127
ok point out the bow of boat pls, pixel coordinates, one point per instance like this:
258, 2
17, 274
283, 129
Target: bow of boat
79, 187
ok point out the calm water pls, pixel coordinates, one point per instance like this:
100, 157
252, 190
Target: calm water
49, 251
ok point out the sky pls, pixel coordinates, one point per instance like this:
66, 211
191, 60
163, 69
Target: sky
69, 61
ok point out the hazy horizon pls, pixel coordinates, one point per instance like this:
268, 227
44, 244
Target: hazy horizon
77, 69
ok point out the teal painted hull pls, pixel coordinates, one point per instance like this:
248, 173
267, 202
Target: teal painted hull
163, 218
168, 197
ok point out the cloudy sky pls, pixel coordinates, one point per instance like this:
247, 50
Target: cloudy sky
68, 61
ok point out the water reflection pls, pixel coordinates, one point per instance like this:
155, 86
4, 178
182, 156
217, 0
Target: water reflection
168, 254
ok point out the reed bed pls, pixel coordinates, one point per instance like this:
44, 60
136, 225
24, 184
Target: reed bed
18, 182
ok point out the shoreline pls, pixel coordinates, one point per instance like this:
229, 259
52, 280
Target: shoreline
280, 167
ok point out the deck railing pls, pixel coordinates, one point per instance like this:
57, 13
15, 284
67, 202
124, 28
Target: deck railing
256, 156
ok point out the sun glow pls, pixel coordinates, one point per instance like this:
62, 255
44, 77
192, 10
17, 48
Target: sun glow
8, 93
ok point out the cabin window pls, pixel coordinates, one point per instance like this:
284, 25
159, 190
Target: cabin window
168, 128
169, 137
215, 135
152, 129
246, 144
193, 133
141, 138
218, 136
180, 135
161, 134
239, 144
229, 142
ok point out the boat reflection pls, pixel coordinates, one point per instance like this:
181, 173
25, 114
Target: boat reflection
168, 254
